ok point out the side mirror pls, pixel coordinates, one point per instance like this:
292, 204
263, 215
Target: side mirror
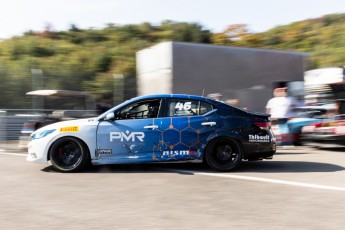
109, 116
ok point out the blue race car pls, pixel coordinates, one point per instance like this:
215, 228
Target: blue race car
157, 128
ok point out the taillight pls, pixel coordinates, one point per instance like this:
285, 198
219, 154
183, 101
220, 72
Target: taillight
318, 125
263, 124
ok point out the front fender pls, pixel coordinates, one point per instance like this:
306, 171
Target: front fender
38, 149
90, 143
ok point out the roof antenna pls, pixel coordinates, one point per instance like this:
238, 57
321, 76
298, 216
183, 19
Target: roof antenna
203, 92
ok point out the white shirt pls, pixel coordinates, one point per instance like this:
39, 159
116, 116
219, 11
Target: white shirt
280, 107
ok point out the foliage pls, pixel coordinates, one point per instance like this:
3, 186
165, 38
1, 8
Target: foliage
81, 59
86, 59
323, 38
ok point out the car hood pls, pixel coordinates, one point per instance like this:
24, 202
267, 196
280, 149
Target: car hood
67, 124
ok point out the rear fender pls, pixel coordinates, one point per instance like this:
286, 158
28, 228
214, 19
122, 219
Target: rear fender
222, 135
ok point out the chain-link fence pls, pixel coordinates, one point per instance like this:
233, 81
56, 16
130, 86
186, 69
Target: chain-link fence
12, 121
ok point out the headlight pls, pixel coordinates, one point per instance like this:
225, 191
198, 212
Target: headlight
42, 134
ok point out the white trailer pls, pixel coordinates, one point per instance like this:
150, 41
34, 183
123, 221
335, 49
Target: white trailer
316, 83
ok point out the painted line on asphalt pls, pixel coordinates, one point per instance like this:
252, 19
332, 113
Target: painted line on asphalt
14, 154
237, 177
265, 180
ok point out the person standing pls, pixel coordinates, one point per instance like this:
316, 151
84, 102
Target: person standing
280, 108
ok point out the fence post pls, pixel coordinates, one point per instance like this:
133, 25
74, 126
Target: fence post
3, 128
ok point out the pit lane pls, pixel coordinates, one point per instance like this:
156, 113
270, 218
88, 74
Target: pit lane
178, 196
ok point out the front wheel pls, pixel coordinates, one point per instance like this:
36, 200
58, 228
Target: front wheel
68, 154
223, 154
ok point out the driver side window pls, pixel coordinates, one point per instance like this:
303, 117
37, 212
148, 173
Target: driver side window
139, 110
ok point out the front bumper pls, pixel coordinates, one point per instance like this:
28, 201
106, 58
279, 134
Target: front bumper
36, 152
324, 141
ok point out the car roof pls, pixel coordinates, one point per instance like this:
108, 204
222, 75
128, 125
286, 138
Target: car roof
177, 96
161, 96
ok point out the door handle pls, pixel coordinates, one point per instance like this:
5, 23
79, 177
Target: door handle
209, 123
151, 127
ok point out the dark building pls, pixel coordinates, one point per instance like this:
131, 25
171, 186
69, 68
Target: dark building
245, 74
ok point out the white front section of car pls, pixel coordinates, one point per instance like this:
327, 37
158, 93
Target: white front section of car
43, 138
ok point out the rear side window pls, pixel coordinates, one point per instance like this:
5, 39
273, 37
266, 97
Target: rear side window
205, 108
185, 107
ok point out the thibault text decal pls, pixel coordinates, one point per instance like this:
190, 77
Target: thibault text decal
261, 139
127, 136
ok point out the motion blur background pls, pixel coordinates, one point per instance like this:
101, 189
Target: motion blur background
93, 46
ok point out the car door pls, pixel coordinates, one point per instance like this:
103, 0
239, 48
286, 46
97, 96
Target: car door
186, 128
131, 135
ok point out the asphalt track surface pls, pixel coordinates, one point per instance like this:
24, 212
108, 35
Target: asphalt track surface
301, 188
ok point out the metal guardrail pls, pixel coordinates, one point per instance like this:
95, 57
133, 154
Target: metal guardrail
11, 121
11, 125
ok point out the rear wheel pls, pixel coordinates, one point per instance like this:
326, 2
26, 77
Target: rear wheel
223, 154
68, 154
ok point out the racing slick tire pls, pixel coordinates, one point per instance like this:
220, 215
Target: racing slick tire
68, 154
223, 154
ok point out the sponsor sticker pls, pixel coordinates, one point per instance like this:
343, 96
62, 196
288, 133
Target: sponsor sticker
193, 153
175, 153
259, 139
69, 129
127, 136
104, 151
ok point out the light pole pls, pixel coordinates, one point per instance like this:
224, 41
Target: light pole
37, 83
118, 89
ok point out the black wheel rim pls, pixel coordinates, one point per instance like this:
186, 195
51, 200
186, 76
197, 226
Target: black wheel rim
225, 154
68, 155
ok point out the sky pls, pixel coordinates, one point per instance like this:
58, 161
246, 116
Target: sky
19, 16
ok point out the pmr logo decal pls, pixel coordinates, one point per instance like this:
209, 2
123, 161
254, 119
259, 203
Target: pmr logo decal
127, 136
70, 129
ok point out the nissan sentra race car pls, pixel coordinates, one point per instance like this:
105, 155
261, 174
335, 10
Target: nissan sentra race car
157, 128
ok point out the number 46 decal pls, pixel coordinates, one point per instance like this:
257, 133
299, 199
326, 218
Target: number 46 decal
183, 106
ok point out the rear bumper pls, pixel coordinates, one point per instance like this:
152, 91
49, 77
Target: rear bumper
259, 151
260, 156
